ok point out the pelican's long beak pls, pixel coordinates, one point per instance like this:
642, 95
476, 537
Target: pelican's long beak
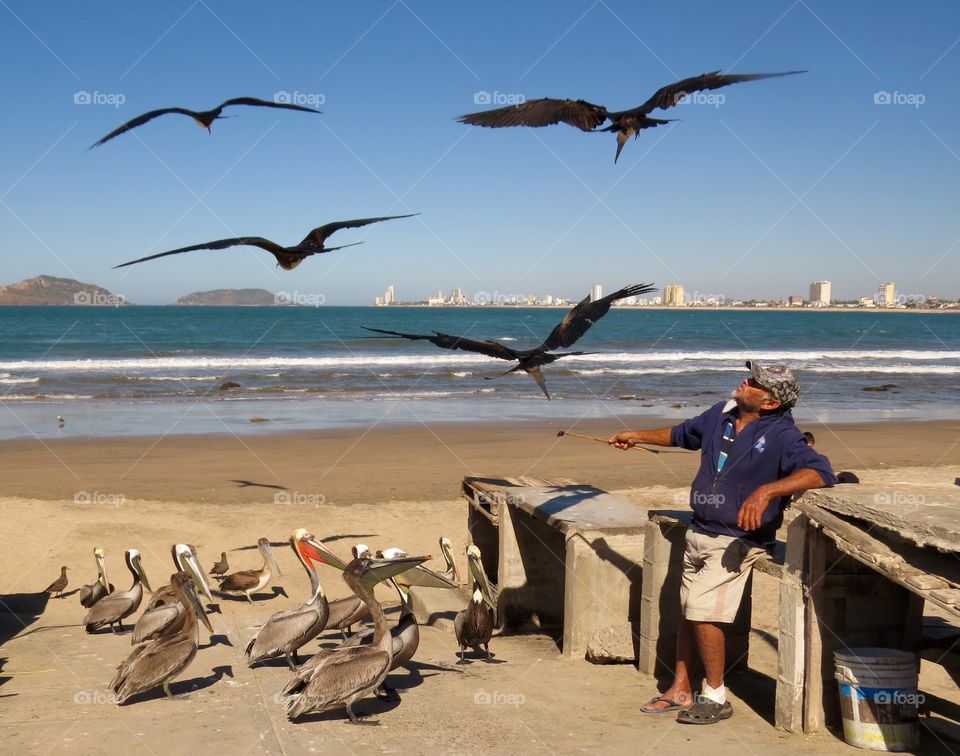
101, 567
381, 569
268, 555
192, 567
138, 568
424, 577
480, 577
311, 547
191, 593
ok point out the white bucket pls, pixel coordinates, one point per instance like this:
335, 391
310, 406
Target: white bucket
878, 698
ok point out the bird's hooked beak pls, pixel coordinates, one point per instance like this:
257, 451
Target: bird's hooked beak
138, 568
267, 552
191, 593
480, 577
189, 564
378, 570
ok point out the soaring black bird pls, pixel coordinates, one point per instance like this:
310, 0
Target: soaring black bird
204, 118
576, 323
288, 258
587, 117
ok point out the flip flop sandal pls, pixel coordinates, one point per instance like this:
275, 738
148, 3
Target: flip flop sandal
705, 712
673, 706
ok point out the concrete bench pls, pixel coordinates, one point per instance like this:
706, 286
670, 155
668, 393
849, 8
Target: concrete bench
562, 554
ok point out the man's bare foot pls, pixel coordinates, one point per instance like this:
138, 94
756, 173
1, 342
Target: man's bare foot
668, 701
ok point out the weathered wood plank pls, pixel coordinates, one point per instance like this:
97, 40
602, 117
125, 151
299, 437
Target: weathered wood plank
792, 630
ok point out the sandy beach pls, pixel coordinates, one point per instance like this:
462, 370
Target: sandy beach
388, 486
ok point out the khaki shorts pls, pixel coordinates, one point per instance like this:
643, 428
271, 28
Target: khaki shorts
715, 572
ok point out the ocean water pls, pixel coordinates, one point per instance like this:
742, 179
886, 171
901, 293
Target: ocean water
149, 370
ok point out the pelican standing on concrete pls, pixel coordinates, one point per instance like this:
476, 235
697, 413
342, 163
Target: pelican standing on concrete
91, 594
345, 675
474, 625
112, 609
158, 662
286, 631
165, 608
58, 585
249, 582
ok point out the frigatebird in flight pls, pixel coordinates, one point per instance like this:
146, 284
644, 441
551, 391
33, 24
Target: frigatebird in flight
576, 323
288, 258
204, 118
588, 117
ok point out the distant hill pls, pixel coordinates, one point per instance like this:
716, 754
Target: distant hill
50, 290
249, 297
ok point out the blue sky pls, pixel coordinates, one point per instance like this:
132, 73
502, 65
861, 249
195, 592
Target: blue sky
784, 182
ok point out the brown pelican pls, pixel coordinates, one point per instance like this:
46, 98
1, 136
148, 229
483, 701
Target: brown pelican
287, 258
587, 117
58, 585
158, 662
474, 625
91, 594
576, 323
204, 118
342, 676
221, 567
113, 608
249, 582
165, 608
286, 631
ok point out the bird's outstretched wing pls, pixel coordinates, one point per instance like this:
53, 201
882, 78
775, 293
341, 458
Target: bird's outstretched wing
543, 112
255, 241
670, 95
267, 104
320, 234
139, 121
445, 341
584, 314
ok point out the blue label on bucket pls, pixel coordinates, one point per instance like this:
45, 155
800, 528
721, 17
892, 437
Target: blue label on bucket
905, 697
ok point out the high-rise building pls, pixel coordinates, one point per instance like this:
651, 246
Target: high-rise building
596, 293
388, 298
887, 295
820, 293
673, 295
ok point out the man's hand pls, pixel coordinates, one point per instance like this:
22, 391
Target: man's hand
625, 439
751, 511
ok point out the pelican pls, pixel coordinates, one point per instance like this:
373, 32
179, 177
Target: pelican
58, 585
287, 258
91, 594
165, 608
423, 576
286, 631
112, 609
586, 116
158, 662
576, 323
474, 625
249, 582
204, 118
344, 613
221, 567
344, 675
